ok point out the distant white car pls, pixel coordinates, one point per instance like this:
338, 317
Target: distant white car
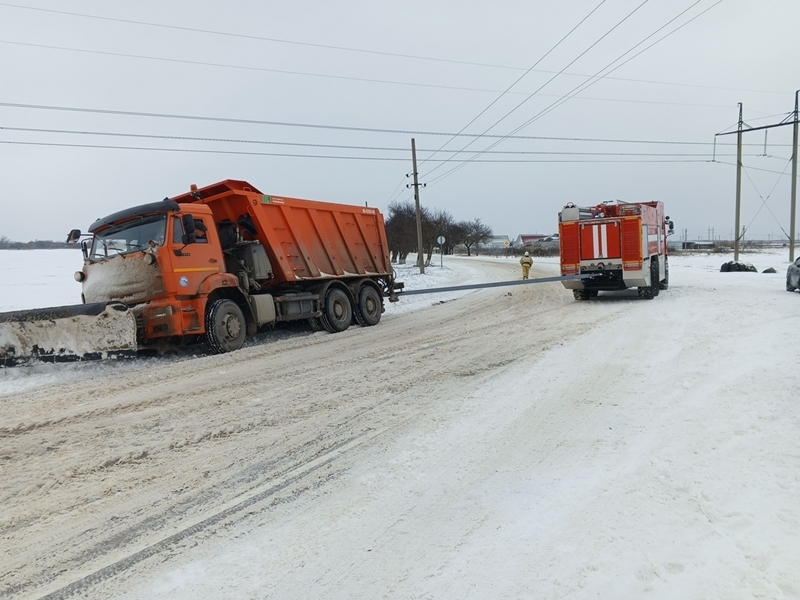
793, 276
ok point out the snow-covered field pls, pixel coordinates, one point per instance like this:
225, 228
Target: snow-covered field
537, 447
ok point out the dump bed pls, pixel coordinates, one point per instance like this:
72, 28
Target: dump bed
304, 239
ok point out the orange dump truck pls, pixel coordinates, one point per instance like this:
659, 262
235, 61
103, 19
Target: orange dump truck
214, 265
622, 245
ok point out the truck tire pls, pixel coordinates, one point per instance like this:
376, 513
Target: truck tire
580, 294
369, 306
789, 286
654, 283
664, 284
337, 313
225, 326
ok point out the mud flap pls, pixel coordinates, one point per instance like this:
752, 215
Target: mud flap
67, 333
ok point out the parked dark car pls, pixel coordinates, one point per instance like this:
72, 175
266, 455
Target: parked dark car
793, 276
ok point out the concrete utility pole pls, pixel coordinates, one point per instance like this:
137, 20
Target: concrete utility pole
738, 186
794, 121
793, 210
420, 251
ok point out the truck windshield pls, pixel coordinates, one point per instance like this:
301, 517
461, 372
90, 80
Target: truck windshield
129, 236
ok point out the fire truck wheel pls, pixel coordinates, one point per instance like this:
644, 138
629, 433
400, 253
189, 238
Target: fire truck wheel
646, 293
225, 326
338, 313
580, 294
654, 276
664, 284
369, 306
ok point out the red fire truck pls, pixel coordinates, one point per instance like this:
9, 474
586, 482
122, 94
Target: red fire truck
623, 244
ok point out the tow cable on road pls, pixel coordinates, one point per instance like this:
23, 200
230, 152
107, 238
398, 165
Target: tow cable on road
493, 284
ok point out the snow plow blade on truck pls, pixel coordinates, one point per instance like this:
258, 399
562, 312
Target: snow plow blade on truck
66, 333
214, 264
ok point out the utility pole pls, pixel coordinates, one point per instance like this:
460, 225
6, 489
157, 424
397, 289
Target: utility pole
793, 211
738, 185
794, 121
420, 251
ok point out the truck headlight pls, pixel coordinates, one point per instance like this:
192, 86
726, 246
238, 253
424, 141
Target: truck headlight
79, 276
161, 312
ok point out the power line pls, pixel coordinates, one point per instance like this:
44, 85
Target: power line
185, 117
597, 77
347, 146
261, 38
245, 68
508, 89
764, 203
546, 83
367, 158
722, 162
360, 50
337, 77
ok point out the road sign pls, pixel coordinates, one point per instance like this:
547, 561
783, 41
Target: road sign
440, 239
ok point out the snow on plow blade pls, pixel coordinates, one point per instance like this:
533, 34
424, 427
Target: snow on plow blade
66, 333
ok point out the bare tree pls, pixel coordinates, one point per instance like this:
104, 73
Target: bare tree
475, 234
401, 230
435, 223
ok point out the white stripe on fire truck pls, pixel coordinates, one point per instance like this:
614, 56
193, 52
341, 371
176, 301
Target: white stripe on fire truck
600, 240
604, 239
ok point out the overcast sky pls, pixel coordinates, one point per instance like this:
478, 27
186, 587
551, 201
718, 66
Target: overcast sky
329, 95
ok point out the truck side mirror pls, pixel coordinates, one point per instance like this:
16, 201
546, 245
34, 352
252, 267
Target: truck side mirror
73, 236
188, 229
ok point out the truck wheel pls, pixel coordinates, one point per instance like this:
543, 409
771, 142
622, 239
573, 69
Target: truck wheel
654, 283
338, 313
369, 306
664, 284
580, 294
225, 326
646, 292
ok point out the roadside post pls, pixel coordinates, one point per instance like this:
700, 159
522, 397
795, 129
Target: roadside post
441, 241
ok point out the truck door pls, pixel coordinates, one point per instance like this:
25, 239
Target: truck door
192, 263
600, 240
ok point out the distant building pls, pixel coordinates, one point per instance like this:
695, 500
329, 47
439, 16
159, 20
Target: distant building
498, 242
527, 239
550, 241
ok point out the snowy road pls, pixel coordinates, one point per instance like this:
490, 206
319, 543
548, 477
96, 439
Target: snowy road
506, 443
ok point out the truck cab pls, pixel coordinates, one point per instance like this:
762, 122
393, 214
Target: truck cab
161, 260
